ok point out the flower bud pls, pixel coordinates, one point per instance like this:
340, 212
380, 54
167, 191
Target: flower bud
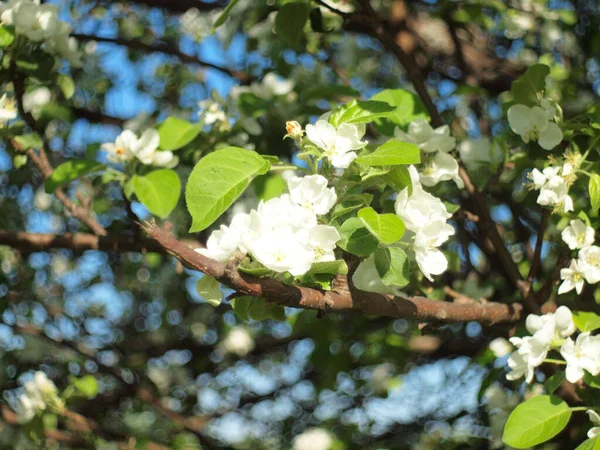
294, 129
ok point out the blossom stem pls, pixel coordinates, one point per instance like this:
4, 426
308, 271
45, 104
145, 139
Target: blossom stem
555, 361
284, 167
580, 408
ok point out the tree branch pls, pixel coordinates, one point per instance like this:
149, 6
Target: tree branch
168, 49
345, 298
179, 6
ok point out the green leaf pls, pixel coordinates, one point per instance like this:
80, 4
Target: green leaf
27, 141
394, 152
37, 63
159, 191
589, 444
66, 85
224, 15
399, 178
349, 204
177, 133
209, 290
361, 112
69, 171
356, 238
392, 266
19, 161
591, 380
525, 90
554, 382
290, 21
586, 321
594, 188
87, 385
7, 36
257, 308
269, 186
535, 421
218, 180
388, 228
337, 267
408, 108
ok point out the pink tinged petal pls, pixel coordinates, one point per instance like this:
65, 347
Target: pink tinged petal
550, 137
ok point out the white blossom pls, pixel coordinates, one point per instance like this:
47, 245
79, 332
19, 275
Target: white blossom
500, 347
146, 150
8, 110
593, 432
238, 341
36, 99
211, 112
224, 242
553, 183
589, 263
313, 439
578, 235
583, 354
573, 278
532, 124
442, 167
426, 138
39, 393
419, 208
65, 46
517, 24
37, 22
270, 86
121, 149
311, 193
323, 239
557, 325
339, 144
196, 24
430, 259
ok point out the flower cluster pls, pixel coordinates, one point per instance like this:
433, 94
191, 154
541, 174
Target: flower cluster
211, 112
40, 23
553, 331
196, 24
586, 268
39, 392
313, 439
553, 183
283, 233
536, 124
338, 144
436, 144
426, 216
128, 146
8, 109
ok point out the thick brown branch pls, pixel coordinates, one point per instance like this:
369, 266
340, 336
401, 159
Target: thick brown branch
346, 298
35, 242
168, 49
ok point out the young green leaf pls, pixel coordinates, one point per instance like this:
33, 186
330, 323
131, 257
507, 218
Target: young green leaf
535, 421
159, 191
7, 36
209, 290
388, 228
594, 189
364, 111
27, 141
356, 239
87, 385
554, 382
393, 152
586, 321
408, 108
257, 308
337, 267
66, 85
290, 21
218, 180
69, 171
392, 266
224, 15
525, 90
589, 444
177, 133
